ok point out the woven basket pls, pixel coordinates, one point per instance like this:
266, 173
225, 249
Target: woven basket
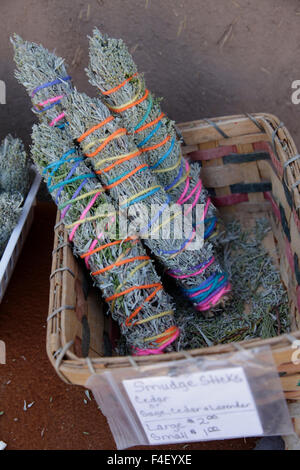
251, 167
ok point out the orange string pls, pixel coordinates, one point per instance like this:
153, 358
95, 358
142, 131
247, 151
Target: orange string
126, 176
116, 88
157, 286
130, 289
104, 144
102, 247
168, 333
138, 309
122, 160
156, 146
155, 121
119, 263
102, 123
135, 103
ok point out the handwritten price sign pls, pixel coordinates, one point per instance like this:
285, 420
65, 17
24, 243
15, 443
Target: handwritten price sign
200, 406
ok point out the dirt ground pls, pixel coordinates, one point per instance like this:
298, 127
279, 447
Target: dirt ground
206, 59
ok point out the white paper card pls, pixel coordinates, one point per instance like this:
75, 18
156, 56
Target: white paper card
217, 404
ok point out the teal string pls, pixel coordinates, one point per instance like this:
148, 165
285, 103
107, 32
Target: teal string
141, 144
71, 180
145, 115
143, 196
117, 178
153, 167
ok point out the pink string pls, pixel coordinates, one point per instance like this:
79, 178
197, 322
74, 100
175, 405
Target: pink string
88, 207
58, 118
206, 207
205, 289
182, 201
195, 200
94, 243
183, 198
187, 184
183, 276
213, 301
51, 100
148, 352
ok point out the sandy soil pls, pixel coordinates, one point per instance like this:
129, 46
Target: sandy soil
205, 58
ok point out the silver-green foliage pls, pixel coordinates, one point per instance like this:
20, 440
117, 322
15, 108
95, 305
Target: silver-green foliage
49, 144
259, 306
14, 166
10, 210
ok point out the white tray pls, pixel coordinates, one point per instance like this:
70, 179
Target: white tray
18, 237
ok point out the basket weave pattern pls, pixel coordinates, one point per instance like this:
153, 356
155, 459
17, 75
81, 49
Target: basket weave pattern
251, 168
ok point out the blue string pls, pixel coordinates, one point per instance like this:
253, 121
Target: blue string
210, 229
153, 167
117, 178
157, 215
201, 286
176, 179
56, 165
145, 115
78, 190
210, 293
47, 107
71, 172
215, 287
215, 279
48, 84
171, 252
148, 137
143, 196
62, 126
72, 180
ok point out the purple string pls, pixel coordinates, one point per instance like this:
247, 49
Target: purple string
48, 84
72, 171
157, 215
215, 292
63, 214
176, 179
176, 271
171, 252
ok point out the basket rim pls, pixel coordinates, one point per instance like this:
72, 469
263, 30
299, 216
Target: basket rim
66, 362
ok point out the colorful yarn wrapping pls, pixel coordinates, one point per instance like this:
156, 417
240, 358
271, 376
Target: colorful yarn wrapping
116, 181
77, 183
147, 124
159, 342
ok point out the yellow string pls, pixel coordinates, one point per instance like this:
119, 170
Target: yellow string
215, 233
83, 196
156, 337
111, 159
121, 256
89, 219
115, 108
170, 168
99, 141
153, 317
134, 270
92, 143
141, 193
166, 221
180, 181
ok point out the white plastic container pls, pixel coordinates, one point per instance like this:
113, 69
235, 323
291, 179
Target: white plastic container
18, 237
